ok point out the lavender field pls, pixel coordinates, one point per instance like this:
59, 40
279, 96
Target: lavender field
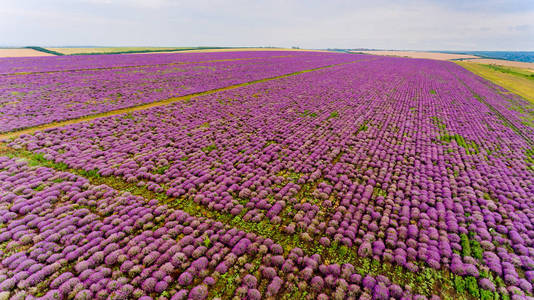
283, 175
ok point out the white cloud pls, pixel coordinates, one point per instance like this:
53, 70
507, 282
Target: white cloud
404, 24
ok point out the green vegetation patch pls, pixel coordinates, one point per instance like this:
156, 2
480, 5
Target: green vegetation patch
308, 113
161, 170
333, 114
209, 148
438, 123
128, 116
40, 187
470, 247
470, 146
363, 127
40, 49
530, 158
513, 71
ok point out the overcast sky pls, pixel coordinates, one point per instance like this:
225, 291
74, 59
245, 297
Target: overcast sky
380, 24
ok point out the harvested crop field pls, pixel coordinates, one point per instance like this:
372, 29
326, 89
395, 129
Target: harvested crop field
262, 175
21, 52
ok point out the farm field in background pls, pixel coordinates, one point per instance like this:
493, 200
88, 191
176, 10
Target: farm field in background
517, 80
262, 175
149, 50
109, 50
21, 52
418, 54
517, 65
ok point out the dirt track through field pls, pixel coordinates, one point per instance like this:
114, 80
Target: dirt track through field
142, 66
30, 130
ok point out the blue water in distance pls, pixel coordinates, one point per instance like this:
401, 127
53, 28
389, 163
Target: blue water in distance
524, 56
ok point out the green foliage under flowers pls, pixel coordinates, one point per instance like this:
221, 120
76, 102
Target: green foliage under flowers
470, 146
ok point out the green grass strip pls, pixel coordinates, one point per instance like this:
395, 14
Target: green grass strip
41, 49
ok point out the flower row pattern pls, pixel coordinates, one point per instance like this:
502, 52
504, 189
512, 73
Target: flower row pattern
79, 62
62, 237
414, 163
41, 98
410, 162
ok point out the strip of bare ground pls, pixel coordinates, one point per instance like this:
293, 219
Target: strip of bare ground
29, 130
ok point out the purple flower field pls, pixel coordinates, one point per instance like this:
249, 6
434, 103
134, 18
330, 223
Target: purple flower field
40, 98
80, 62
372, 178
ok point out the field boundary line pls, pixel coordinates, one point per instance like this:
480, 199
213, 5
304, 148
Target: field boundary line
29, 130
140, 66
